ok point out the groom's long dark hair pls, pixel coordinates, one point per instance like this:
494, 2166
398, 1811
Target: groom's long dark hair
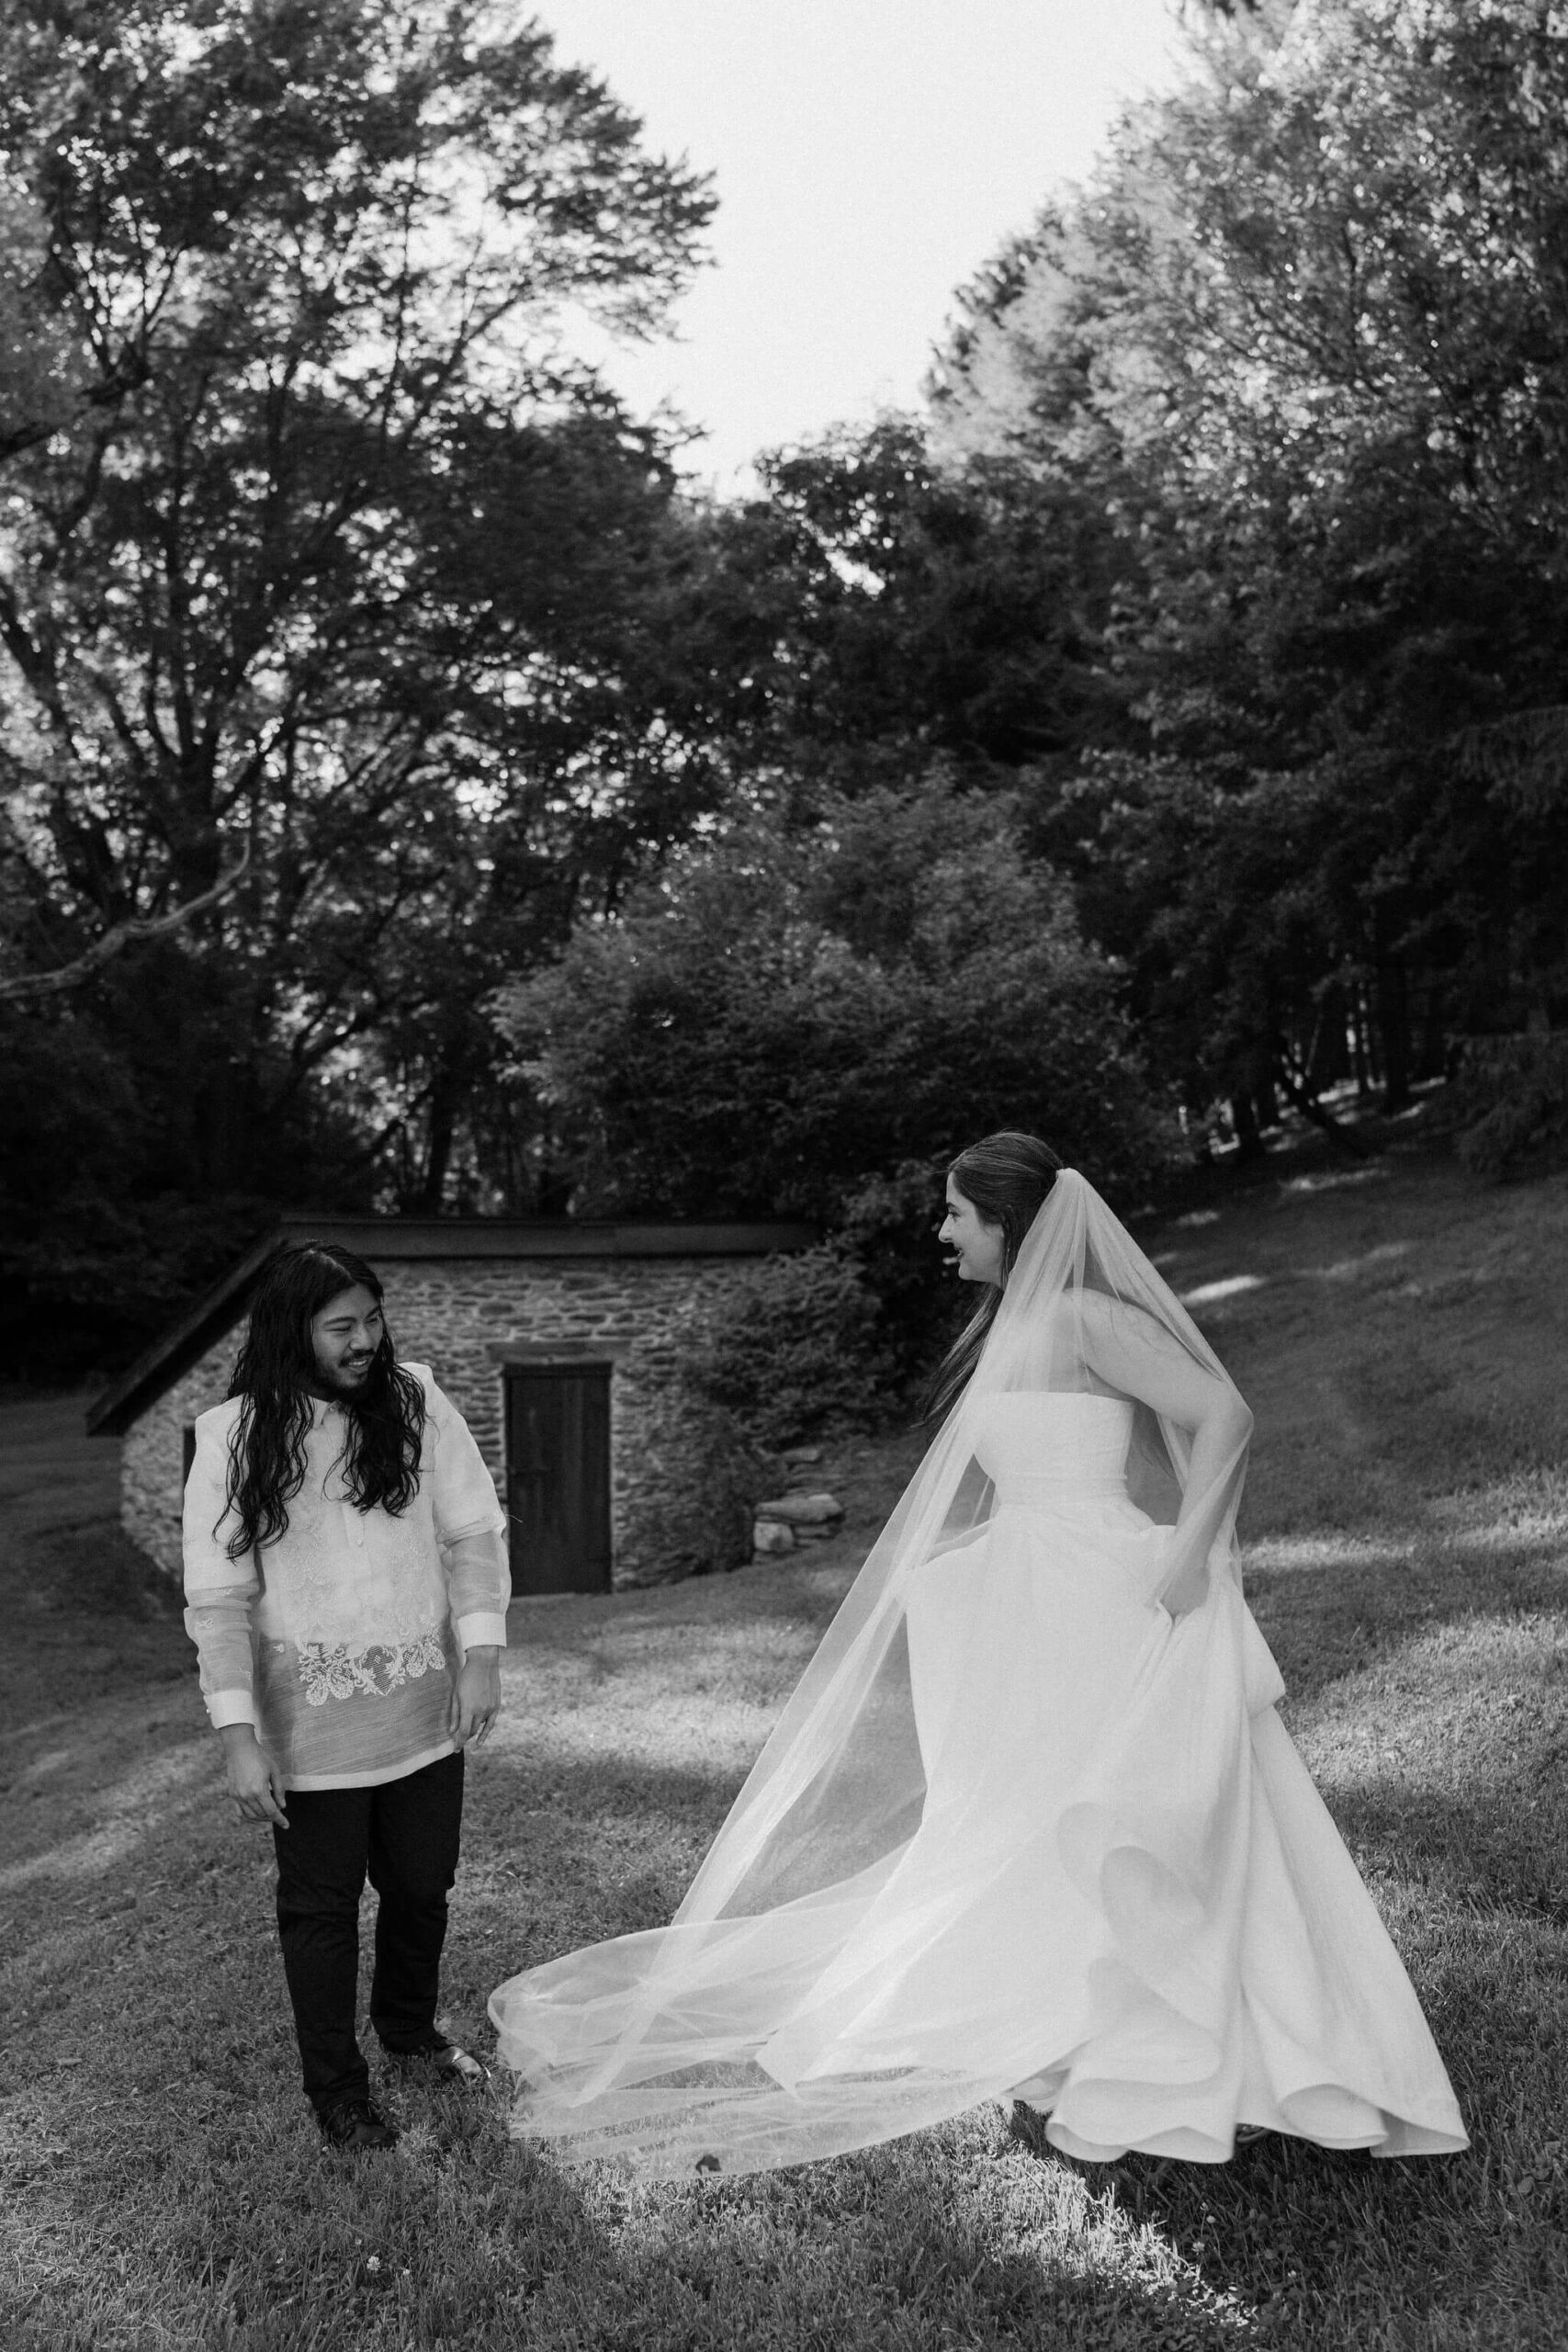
384, 1424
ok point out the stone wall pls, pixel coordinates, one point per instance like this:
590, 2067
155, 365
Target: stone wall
467, 1318
151, 1477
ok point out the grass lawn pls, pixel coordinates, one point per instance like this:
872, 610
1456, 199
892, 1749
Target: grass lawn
1399, 1332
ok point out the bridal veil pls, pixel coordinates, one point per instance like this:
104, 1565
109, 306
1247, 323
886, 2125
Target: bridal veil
727, 2039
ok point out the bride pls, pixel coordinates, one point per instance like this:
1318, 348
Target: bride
1029, 1824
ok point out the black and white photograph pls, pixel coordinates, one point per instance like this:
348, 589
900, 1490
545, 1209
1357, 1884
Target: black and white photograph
784, 1175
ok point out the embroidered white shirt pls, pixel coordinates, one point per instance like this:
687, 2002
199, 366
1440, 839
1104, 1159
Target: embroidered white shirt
340, 1640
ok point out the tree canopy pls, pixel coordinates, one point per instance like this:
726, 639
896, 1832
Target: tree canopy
787, 1013
813, 1019
334, 564
415, 794
1306, 339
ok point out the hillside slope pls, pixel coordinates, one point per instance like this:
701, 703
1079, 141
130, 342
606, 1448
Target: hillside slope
1399, 1333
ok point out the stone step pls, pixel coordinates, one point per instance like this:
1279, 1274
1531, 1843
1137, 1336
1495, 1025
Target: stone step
802, 1510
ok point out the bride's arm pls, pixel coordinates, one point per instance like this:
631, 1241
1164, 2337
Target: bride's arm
1130, 1351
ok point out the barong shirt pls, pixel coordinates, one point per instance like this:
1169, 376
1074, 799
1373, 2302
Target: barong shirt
339, 1641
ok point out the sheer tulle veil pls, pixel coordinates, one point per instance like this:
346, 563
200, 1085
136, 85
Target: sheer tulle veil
669, 2046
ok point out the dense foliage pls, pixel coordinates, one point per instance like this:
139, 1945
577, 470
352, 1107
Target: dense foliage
414, 796
801, 1346
813, 1020
1308, 338
787, 1013
326, 561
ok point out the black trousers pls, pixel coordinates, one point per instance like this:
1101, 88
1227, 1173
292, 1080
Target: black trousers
405, 1834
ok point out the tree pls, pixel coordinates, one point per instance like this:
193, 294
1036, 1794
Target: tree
355, 574
1308, 335
39, 370
873, 609
326, 245
811, 1020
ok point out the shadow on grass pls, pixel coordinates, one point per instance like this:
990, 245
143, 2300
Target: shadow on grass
1320, 2246
218, 2217
1326, 2245
1494, 1851
1363, 1600
943, 2239
223, 2221
570, 1852
86, 1616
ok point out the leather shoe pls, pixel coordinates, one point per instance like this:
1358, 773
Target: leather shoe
356, 2125
451, 2064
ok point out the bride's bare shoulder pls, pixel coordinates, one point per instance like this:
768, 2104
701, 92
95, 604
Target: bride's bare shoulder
1110, 1325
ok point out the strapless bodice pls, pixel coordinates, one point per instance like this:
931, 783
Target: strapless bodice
1035, 1443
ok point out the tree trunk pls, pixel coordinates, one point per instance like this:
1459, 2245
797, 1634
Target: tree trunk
1393, 1025
439, 1140
1433, 1042
1361, 1061
1299, 1092
1243, 1119
1325, 1060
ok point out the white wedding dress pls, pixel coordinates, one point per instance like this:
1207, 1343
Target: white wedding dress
1112, 1890
1124, 1883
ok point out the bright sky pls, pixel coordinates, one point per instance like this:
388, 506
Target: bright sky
869, 156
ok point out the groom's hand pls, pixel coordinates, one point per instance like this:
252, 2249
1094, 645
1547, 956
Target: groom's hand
476, 1698
255, 1781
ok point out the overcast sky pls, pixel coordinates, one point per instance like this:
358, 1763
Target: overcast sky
869, 156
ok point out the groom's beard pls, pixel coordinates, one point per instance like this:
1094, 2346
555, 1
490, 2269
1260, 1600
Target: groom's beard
347, 1384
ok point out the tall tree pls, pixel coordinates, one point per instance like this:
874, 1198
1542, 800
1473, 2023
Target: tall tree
341, 569
1310, 334
338, 562
873, 609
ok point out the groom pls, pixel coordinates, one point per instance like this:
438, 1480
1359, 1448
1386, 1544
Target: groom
347, 1580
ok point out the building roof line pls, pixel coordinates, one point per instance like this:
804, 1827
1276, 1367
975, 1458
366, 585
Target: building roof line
408, 1241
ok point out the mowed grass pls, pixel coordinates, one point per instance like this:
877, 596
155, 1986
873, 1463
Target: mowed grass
1400, 1335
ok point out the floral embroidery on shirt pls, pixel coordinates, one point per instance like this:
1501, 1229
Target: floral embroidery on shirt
333, 1670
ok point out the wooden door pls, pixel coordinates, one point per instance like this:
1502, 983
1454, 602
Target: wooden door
557, 1476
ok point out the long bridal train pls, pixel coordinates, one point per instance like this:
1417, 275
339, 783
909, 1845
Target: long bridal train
1019, 1833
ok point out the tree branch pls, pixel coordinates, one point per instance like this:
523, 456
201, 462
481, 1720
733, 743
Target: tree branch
35, 984
1297, 1085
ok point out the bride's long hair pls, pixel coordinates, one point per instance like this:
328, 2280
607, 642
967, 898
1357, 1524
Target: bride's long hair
1006, 1178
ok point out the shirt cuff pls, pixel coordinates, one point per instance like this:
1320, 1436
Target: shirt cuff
230, 1707
488, 1523
483, 1629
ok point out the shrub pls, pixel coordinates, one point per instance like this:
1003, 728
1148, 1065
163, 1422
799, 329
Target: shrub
785, 1016
704, 1525
796, 1347
1509, 1102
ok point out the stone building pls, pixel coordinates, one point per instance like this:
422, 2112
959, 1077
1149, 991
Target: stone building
559, 1344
